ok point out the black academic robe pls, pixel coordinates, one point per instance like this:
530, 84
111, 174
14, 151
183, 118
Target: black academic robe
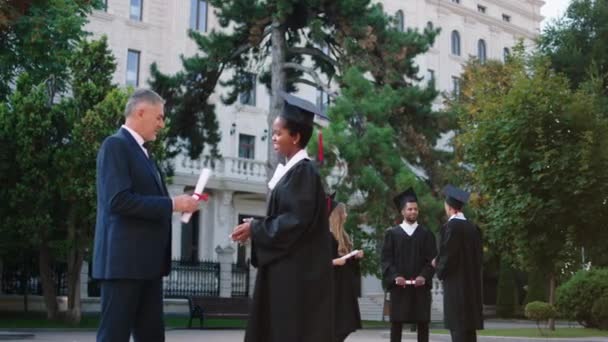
347, 284
459, 265
409, 257
291, 247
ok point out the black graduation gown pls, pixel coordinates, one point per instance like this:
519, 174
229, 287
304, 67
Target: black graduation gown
291, 247
459, 265
347, 284
409, 257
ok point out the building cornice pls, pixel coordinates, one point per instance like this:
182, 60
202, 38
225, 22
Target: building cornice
445, 7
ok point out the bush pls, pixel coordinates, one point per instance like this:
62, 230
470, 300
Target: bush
540, 311
575, 298
599, 312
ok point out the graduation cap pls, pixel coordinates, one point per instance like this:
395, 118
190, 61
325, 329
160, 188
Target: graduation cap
331, 203
302, 111
407, 196
306, 113
455, 197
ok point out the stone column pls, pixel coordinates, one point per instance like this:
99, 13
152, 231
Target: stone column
84, 280
225, 258
176, 225
437, 303
225, 218
253, 272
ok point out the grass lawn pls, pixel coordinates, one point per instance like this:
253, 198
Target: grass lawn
533, 332
38, 320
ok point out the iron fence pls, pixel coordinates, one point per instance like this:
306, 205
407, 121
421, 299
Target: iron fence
192, 278
24, 278
240, 280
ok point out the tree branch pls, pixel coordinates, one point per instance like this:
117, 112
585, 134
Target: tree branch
313, 52
314, 75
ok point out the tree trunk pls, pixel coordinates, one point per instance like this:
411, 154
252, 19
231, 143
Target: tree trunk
48, 283
277, 84
551, 323
75, 258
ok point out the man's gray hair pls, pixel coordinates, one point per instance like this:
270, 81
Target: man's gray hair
139, 96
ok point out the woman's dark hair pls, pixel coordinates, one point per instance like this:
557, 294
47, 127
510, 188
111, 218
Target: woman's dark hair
294, 128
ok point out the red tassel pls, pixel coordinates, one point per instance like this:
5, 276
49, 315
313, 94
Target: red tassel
320, 157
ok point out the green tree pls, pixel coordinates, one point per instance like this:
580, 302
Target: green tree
535, 147
577, 44
506, 291
38, 37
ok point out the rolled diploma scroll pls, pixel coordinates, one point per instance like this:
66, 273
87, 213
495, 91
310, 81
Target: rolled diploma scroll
198, 190
350, 255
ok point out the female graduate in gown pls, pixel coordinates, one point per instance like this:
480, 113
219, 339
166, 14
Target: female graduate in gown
347, 281
291, 245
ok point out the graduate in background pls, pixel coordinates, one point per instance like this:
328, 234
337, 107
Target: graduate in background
459, 265
347, 275
291, 246
407, 253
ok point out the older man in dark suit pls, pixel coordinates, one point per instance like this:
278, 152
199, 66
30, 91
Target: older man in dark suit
132, 249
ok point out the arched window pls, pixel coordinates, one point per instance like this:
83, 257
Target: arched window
429, 25
481, 51
505, 54
400, 21
455, 43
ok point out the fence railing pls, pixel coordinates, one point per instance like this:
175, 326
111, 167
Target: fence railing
199, 278
240, 280
24, 278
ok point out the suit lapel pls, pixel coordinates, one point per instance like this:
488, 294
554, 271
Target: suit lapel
144, 159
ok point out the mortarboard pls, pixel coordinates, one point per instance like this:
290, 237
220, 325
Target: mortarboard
455, 197
302, 111
407, 196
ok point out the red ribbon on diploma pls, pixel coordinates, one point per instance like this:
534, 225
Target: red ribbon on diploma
202, 197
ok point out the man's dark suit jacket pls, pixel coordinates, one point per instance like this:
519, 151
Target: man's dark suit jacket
133, 229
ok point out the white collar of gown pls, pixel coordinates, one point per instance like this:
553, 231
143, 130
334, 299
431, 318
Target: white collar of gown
281, 169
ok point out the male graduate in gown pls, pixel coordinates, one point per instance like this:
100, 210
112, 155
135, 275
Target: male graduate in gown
291, 246
407, 253
459, 265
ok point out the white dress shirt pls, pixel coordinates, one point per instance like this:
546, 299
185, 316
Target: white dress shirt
138, 138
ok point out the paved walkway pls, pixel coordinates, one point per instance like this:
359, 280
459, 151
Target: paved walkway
179, 335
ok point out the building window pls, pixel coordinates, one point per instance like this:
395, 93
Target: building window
105, 5
481, 51
136, 10
133, 68
190, 237
400, 21
430, 75
506, 18
248, 82
456, 1
455, 43
455, 86
505, 54
198, 15
322, 100
481, 9
246, 146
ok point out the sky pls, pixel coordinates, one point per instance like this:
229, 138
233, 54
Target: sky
553, 9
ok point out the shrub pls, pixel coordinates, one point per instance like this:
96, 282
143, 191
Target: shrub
599, 312
540, 311
575, 298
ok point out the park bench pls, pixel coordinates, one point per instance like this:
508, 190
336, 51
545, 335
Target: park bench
217, 307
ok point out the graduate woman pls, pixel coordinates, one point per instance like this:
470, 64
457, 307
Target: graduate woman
347, 280
291, 245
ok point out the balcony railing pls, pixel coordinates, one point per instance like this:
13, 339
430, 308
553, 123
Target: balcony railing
226, 168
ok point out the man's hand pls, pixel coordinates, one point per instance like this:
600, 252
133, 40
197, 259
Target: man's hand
242, 232
400, 281
420, 281
185, 204
359, 255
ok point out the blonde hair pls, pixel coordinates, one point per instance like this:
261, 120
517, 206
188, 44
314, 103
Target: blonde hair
337, 218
